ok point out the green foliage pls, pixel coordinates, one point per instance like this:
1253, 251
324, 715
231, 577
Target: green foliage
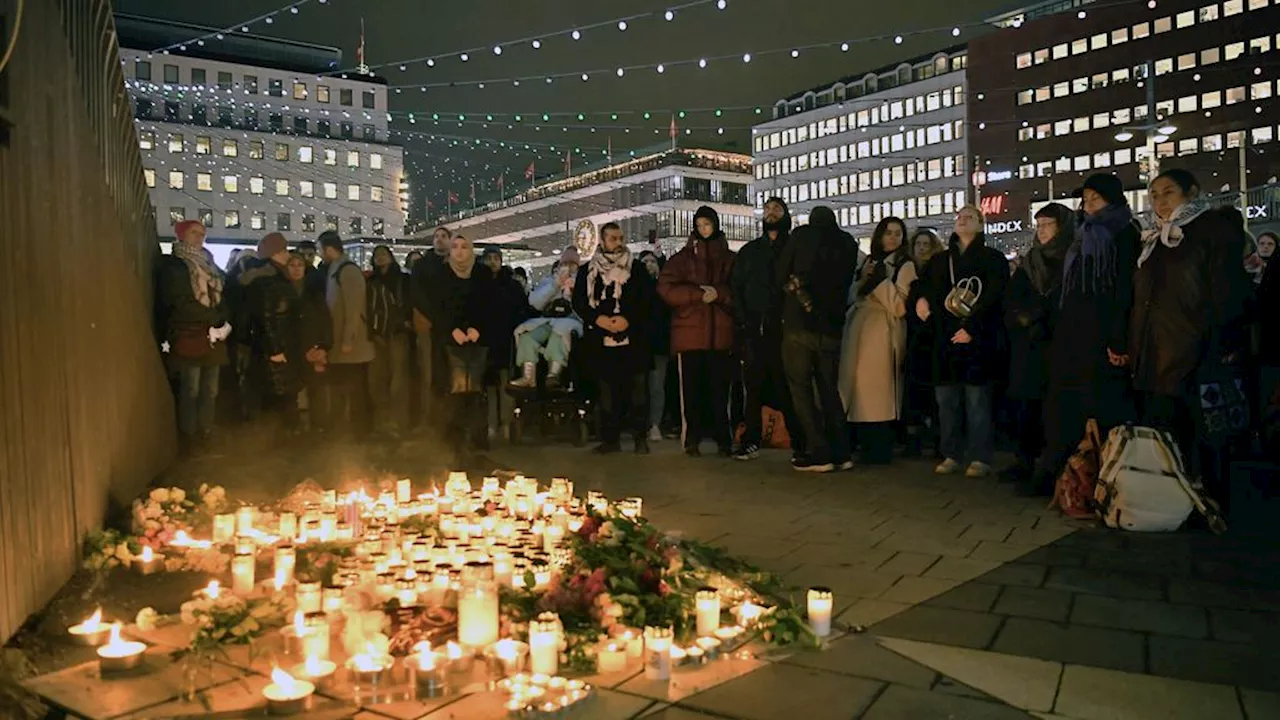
319, 562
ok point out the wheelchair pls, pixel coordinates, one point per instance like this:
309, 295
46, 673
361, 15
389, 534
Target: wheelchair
564, 412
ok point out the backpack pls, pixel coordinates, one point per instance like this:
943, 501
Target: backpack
1143, 485
1074, 491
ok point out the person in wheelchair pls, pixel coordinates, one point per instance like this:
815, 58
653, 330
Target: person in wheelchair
550, 335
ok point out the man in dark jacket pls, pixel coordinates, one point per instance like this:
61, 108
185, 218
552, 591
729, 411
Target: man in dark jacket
757, 305
510, 308
389, 322
274, 326
424, 290
815, 271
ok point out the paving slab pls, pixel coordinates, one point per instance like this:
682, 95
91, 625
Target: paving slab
240, 699
975, 596
1000, 552
907, 563
862, 656
1140, 616
685, 682
1097, 694
963, 569
1022, 682
1109, 583
898, 702
1099, 647
1038, 603
867, 612
1259, 705
915, 590
941, 625
1244, 626
1017, 573
1251, 666
781, 691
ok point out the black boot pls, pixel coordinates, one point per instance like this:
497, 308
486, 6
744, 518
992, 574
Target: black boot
914, 446
642, 444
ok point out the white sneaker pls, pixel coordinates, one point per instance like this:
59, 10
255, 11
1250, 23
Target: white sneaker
655, 434
977, 470
947, 467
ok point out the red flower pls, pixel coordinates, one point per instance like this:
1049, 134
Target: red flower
590, 526
663, 588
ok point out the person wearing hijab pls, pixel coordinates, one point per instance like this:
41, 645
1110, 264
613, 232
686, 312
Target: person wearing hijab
614, 296
194, 318
463, 330
695, 283
873, 352
1029, 302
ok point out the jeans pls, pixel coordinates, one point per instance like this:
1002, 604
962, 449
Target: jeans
389, 380
964, 413
811, 362
623, 406
197, 399
658, 390
542, 341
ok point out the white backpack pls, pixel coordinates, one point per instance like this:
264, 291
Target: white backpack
1143, 485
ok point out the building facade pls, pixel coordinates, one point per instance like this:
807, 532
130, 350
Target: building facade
653, 198
1102, 88
249, 148
887, 143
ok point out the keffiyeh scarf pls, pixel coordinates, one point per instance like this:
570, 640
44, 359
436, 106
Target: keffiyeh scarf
613, 269
1167, 232
206, 278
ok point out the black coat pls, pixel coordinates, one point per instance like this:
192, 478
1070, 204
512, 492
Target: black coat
977, 362
920, 339
275, 319
1188, 302
824, 260
509, 308
423, 288
315, 326
1028, 316
639, 296
178, 309
757, 293
390, 305
463, 303
1268, 303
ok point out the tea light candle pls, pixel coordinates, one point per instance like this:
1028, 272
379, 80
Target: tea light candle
820, 604
749, 613
478, 615
309, 597
657, 652
507, 656
369, 667
708, 610
286, 559
242, 571
332, 600
611, 658
147, 561
287, 695
630, 507
428, 670
288, 526
212, 590
708, 645
245, 516
551, 537
316, 671
728, 632
91, 631
544, 645
328, 527
119, 654
224, 527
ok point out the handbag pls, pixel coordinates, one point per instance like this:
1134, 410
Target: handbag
964, 294
467, 365
190, 341
1221, 407
1074, 491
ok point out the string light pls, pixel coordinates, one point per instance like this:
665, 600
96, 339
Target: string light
669, 15
267, 18
622, 25
576, 35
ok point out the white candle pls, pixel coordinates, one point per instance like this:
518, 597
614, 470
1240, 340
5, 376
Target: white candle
316, 637
242, 571
820, 604
286, 559
634, 643
611, 658
244, 519
224, 527
551, 537
288, 526
478, 616
309, 598
749, 613
657, 650
328, 527
404, 491
286, 695
708, 611
544, 646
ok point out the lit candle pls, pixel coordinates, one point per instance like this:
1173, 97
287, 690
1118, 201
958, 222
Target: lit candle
630, 507
708, 645
820, 604
119, 654
224, 527
428, 670
316, 636
91, 631
478, 614
541, 575
507, 656
328, 527
332, 600
242, 572
245, 516
551, 537
634, 643
502, 567
404, 491
657, 651
611, 658
544, 644
309, 597
213, 590
147, 561
287, 695
708, 611
286, 560
749, 613
315, 670
288, 526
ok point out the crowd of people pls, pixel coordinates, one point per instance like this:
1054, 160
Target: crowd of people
1110, 315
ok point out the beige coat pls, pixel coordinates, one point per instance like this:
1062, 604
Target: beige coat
874, 349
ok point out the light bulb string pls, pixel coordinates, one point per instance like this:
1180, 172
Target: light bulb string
291, 8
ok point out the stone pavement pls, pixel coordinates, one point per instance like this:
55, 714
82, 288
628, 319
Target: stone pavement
975, 604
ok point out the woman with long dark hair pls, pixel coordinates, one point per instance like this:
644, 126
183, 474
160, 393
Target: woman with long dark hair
920, 407
875, 341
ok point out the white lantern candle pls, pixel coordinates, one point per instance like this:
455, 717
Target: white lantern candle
820, 605
478, 611
244, 519
657, 651
611, 658
634, 643
242, 572
544, 645
309, 597
288, 529
708, 611
404, 491
286, 559
316, 636
328, 527
224, 527
551, 537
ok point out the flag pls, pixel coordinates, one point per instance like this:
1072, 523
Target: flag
568, 162
500, 180
528, 172
473, 191
674, 131
610, 150
453, 197
360, 48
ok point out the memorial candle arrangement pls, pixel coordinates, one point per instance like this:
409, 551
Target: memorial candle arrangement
287, 695
119, 654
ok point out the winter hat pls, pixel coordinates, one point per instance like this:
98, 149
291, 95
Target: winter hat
181, 228
271, 245
570, 255
1106, 185
709, 213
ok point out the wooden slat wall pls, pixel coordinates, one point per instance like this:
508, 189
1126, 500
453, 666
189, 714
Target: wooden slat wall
86, 416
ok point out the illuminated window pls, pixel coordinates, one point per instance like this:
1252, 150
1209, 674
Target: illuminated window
1188, 146
1162, 25
282, 151
1041, 56
230, 183
1101, 120
353, 158
1061, 89
306, 188
1121, 116
1060, 51
1141, 30
203, 145
1042, 93
1232, 7
304, 154
331, 190
1062, 127
1211, 143
308, 223
176, 179
1023, 61
150, 176
257, 185
1119, 36
1185, 19
146, 140
1262, 135
1187, 104
1209, 56
322, 93
1234, 50
1080, 85
258, 221
1079, 47
1260, 90
375, 161
230, 148
1253, 5
1235, 95
175, 142
1097, 42
282, 187
375, 193
177, 215
1164, 66
255, 149
231, 219
1080, 124
1119, 76
1102, 159
1260, 45
330, 157
353, 192
299, 90
204, 181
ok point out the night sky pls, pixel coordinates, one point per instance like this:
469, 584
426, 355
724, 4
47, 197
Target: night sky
442, 155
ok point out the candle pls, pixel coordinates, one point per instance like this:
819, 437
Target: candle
309, 597
119, 654
316, 636
242, 570
630, 507
428, 670
708, 610
611, 658
245, 516
332, 600
91, 631
316, 671
286, 559
506, 657
288, 526
224, 527
212, 590
749, 613
657, 651
544, 644
541, 575
634, 643
820, 603
478, 612
328, 527
502, 567
287, 695
368, 668
551, 537
147, 561
728, 633
404, 491
183, 540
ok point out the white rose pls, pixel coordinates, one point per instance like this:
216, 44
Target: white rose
177, 494
146, 619
159, 495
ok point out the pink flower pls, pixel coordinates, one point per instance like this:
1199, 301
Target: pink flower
663, 588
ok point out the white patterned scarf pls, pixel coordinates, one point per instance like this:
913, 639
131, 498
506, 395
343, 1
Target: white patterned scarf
1167, 232
206, 278
614, 269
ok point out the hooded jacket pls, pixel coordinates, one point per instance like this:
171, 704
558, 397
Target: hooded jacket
824, 258
696, 325
757, 296
1029, 311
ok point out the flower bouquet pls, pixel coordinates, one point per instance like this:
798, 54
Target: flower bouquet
221, 620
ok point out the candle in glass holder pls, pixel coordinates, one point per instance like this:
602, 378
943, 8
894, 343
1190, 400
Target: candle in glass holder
541, 575
749, 613
551, 537
611, 658
286, 559
328, 527
245, 516
404, 491
708, 611
630, 507
288, 529
506, 657
287, 695
820, 605
478, 606
331, 600
634, 643
224, 527
657, 653
316, 636
309, 597
242, 574
502, 567
316, 671
544, 644
428, 668
147, 561
119, 654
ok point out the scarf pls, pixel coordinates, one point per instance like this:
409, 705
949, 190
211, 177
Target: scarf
1091, 259
614, 269
1167, 232
206, 278
464, 267
1043, 261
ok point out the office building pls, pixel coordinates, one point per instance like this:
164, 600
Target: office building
887, 142
249, 136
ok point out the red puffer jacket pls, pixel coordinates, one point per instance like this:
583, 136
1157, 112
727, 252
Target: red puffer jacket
696, 325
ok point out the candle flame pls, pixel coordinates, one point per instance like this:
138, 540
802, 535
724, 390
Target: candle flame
93, 623
147, 554
285, 681
213, 589
299, 623
453, 650
314, 665
115, 640
505, 649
